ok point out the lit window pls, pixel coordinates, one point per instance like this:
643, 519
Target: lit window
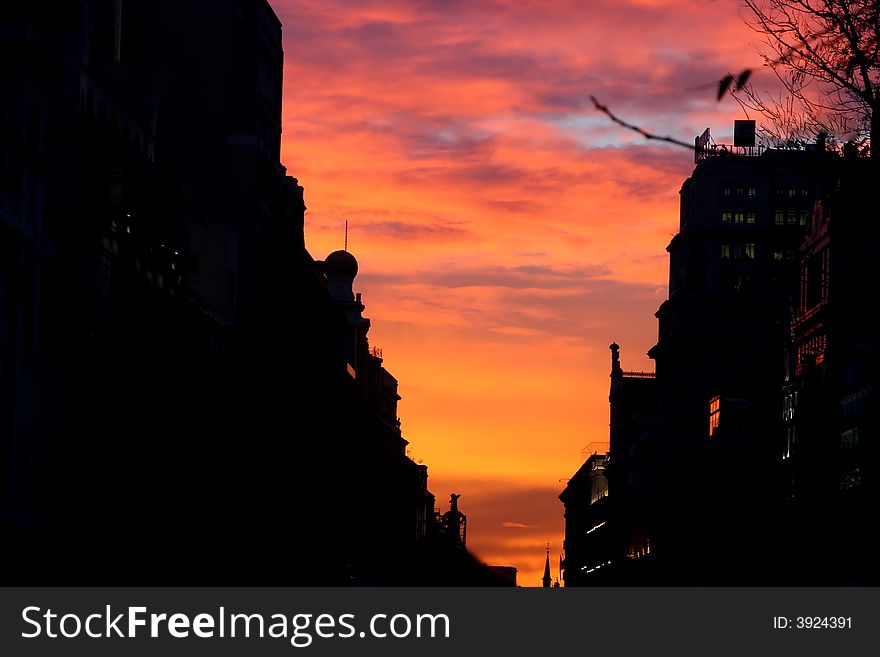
791, 218
779, 217
750, 251
788, 408
750, 217
805, 191
777, 254
753, 191
811, 351
714, 415
725, 251
739, 191
792, 192
739, 217
804, 217
728, 191
726, 216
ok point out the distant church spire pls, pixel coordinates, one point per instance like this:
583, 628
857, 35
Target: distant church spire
547, 579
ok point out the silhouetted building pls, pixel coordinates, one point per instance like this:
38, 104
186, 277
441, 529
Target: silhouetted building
719, 355
632, 477
27, 73
828, 452
443, 559
588, 543
608, 501
698, 491
507, 574
184, 390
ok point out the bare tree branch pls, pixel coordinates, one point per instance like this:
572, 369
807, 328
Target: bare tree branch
826, 54
630, 126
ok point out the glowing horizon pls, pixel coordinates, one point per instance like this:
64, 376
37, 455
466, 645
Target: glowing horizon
506, 231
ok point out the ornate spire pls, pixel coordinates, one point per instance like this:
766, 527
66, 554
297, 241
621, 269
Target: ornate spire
547, 579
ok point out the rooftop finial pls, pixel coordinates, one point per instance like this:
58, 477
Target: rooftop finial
345, 244
615, 360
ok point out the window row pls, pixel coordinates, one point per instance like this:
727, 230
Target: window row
740, 190
792, 192
791, 217
738, 216
780, 217
751, 190
747, 251
738, 251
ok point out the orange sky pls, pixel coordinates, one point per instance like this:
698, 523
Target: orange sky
506, 231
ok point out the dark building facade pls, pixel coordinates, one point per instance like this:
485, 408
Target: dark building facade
632, 478
734, 277
27, 73
185, 393
607, 501
749, 457
828, 450
587, 544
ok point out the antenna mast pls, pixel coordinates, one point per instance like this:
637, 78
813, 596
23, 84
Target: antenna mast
345, 247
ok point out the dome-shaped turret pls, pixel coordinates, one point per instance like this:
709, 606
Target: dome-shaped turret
340, 267
341, 264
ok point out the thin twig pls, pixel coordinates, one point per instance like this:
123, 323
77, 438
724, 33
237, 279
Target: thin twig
629, 126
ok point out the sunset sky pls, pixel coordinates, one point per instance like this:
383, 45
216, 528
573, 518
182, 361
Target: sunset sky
506, 231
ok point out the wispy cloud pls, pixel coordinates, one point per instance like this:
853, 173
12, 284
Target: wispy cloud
507, 524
